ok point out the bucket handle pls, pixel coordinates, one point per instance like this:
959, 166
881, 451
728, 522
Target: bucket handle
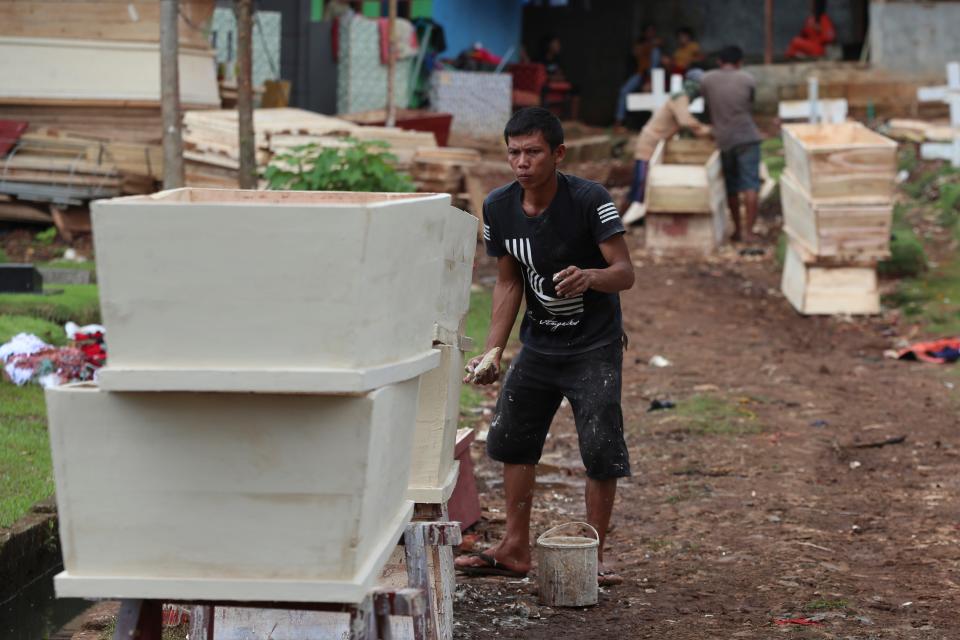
546, 534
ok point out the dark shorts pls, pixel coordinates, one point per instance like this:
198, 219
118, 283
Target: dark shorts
741, 168
531, 395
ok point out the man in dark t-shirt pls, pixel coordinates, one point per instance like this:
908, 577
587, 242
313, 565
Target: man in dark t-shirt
559, 244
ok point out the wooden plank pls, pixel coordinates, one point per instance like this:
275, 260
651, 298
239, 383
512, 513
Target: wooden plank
20, 212
815, 289
99, 20
669, 232
837, 230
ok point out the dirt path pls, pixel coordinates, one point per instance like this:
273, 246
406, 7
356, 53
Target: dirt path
748, 503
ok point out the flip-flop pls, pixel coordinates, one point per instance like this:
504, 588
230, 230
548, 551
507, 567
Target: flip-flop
490, 568
608, 578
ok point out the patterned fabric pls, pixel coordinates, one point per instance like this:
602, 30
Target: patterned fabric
361, 77
479, 102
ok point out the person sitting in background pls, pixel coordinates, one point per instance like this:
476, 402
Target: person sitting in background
550, 48
687, 51
666, 121
646, 55
817, 32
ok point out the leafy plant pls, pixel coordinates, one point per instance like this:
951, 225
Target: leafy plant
46, 237
356, 166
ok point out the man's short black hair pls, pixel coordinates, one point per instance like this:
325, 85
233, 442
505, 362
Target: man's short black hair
532, 119
731, 54
686, 30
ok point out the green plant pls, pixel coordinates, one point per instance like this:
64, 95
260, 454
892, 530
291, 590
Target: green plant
907, 256
356, 166
45, 238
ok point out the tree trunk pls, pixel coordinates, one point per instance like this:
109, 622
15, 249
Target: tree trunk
248, 160
170, 95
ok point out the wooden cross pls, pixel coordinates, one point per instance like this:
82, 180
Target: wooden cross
658, 97
813, 109
950, 94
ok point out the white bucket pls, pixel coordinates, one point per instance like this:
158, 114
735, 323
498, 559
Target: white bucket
567, 567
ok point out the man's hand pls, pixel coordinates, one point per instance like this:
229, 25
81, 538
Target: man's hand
484, 369
571, 281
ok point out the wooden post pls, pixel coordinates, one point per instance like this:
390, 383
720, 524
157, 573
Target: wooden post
392, 64
170, 95
248, 160
768, 32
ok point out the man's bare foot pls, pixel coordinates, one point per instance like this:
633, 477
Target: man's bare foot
494, 561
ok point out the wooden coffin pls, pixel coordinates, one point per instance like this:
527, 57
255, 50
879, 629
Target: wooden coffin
831, 228
685, 179
841, 161
229, 496
826, 288
433, 474
268, 291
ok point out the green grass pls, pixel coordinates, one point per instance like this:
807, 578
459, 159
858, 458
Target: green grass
49, 332
89, 265
907, 256
26, 475
821, 604
933, 299
771, 151
77, 302
704, 414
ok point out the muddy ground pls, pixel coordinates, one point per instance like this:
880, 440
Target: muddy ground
751, 503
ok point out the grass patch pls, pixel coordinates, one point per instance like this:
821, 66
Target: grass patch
771, 150
712, 415
26, 473
907, 256
477, 327
11, 325
822, 604
780, 253
89, 265
934, 299
77, 302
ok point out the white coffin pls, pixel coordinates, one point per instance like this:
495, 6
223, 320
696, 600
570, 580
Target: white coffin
459, 247
269, 291
433, 473
229, 496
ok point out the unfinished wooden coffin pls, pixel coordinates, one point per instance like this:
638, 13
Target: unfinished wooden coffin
229, 496
433, 474
832, 228
53, 69
685, 180
266, 291
815, 287
841, 161
453, 302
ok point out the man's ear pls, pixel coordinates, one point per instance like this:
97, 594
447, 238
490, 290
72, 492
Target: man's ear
560, 153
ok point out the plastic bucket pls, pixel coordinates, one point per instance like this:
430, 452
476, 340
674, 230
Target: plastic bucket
567, 567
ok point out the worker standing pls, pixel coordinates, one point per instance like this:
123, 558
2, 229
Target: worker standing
665, 122
559, 244
729, 92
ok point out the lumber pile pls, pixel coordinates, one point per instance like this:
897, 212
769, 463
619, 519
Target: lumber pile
837, 198
685, 197
212, 153
919, 130
443, 170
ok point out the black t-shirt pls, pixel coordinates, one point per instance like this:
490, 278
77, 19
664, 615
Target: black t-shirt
568, 232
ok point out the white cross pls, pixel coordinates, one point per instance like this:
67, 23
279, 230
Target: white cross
813, 109
950, 94
656, 99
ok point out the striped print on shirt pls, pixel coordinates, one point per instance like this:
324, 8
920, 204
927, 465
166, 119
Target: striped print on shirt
607, 212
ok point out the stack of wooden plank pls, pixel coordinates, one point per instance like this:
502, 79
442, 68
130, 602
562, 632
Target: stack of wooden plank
443, 170
685, 197
837, 198
212, 153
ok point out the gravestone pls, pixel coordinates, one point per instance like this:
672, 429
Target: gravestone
20, 278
